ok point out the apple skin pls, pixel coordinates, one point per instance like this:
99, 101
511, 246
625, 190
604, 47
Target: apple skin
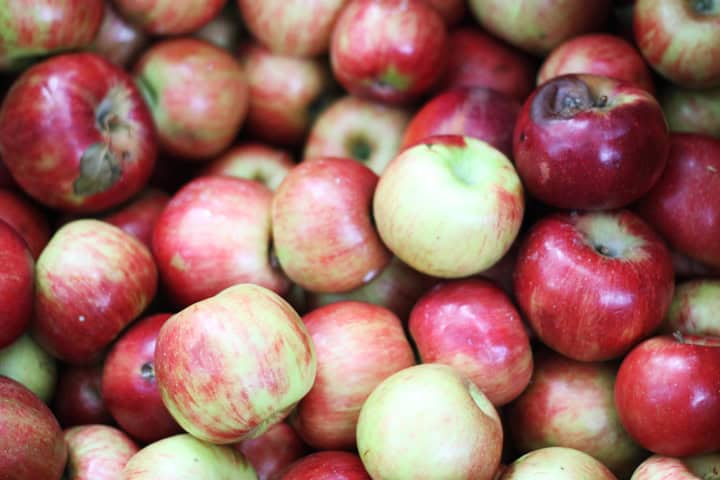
254, 161
26, 218
667, 394
472, 325
97, 452
87, 147
364, 130
658, 467
684, 205
274, 450
17, 289
197, 93
322, 231
691, 110
212, 386
569, 403
592, 285
680, 40
444, 191
138, 216
388, 51
169, 17
590, 142
477, 112
694, 308
129, 386
455, 430
27, 363
452, 11
327, 465
214, 233
357, 345
118, 40
77, 399
92, 280
598, 54
31, 30
32, 445
557, 463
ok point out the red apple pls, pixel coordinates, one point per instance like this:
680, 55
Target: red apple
667, 394
118, 40
161, 17
687, 268
388, 50
254, 161
77, 399
556, 463
694, 308
691, 110
593, 284
658, 467
97, 452
138, 217
590, 142
327, 465
224, 29
26, 218
17, 278
76, 134
274, 450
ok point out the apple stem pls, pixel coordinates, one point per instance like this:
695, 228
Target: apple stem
677, 334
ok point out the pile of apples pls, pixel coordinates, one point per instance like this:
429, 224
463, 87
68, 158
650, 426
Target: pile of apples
359, 239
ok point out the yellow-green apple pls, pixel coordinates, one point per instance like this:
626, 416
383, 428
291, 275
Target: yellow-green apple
18, 211
680, 39
138, 216
97, 452
129, 387
327, 465
92, 280
357, 345
590, 142
230, 366
691, 110
364, 130
184, 457
17, 279
569, 403
224, 30
286, 94
389, 51
538, 26
684, 205
31, 445
76, 134
118, 40
214, 233
449, 190
323, 232
556, 463
169, 17
472, 325
476, 112
667, 394
698, 467
262, 162
598, 54
29, 30
452, 11
77, 399
593, 284
298, 28
274, 450
429, 421
26, 362
197, 93
694, 308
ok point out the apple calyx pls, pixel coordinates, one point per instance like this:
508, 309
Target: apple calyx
705, 7
147, 371
390, 81
359, 147
564, 98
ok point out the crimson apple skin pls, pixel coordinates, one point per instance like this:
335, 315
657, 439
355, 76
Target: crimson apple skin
77, 399
476, 112
169, 17
129, 386
327, 465
138, 217
592, 285
395, 63
118, 40
26, 218
667, 394
17, 289
274, 450
590, 142
473, 326
76, 134
262, 162
684, 205
97, 452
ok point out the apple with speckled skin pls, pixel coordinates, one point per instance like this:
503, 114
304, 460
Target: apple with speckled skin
77, 398
230, 366
97, 452
261, 162
327, 465
558, 463
17, 279
694, 308
274, 450
169, 17
26, 362
658, 467
18, 211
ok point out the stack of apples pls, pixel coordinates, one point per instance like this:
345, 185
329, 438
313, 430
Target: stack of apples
359, 239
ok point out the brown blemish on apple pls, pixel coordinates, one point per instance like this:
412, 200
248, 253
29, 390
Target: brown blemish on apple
564, 97
99, 170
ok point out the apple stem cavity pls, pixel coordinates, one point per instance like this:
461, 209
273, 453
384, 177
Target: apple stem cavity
564, 98
359, 147
147, 371
100, 169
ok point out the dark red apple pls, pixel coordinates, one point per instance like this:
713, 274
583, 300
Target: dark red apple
17, 277
26, 218
78, 399
327, 465
274, 450
138, 217
118, 40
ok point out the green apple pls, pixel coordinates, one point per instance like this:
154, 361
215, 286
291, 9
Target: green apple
28, 363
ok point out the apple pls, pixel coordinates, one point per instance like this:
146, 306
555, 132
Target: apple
448, 191
364, 130
254, 161
118, 40
694, 308
16, 285
477, 112
139, 216
681, 40
538, 26
684, 205
214, 233
32, 445
590, 142
97, 452
274, 450
592, 285
184, 457
77, 399
224, 29
658, 467
197, 93
286, 93
129, 386
295, 28
691, 110
388, 51
357, 345
230, 366
34, 29
159, 17
6, 180
452, 11
76, 134
598, 54
27, 363
26, 218
92, 280
689, 268
327, 465
557, 463
667, 394
323, 233
429, 421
